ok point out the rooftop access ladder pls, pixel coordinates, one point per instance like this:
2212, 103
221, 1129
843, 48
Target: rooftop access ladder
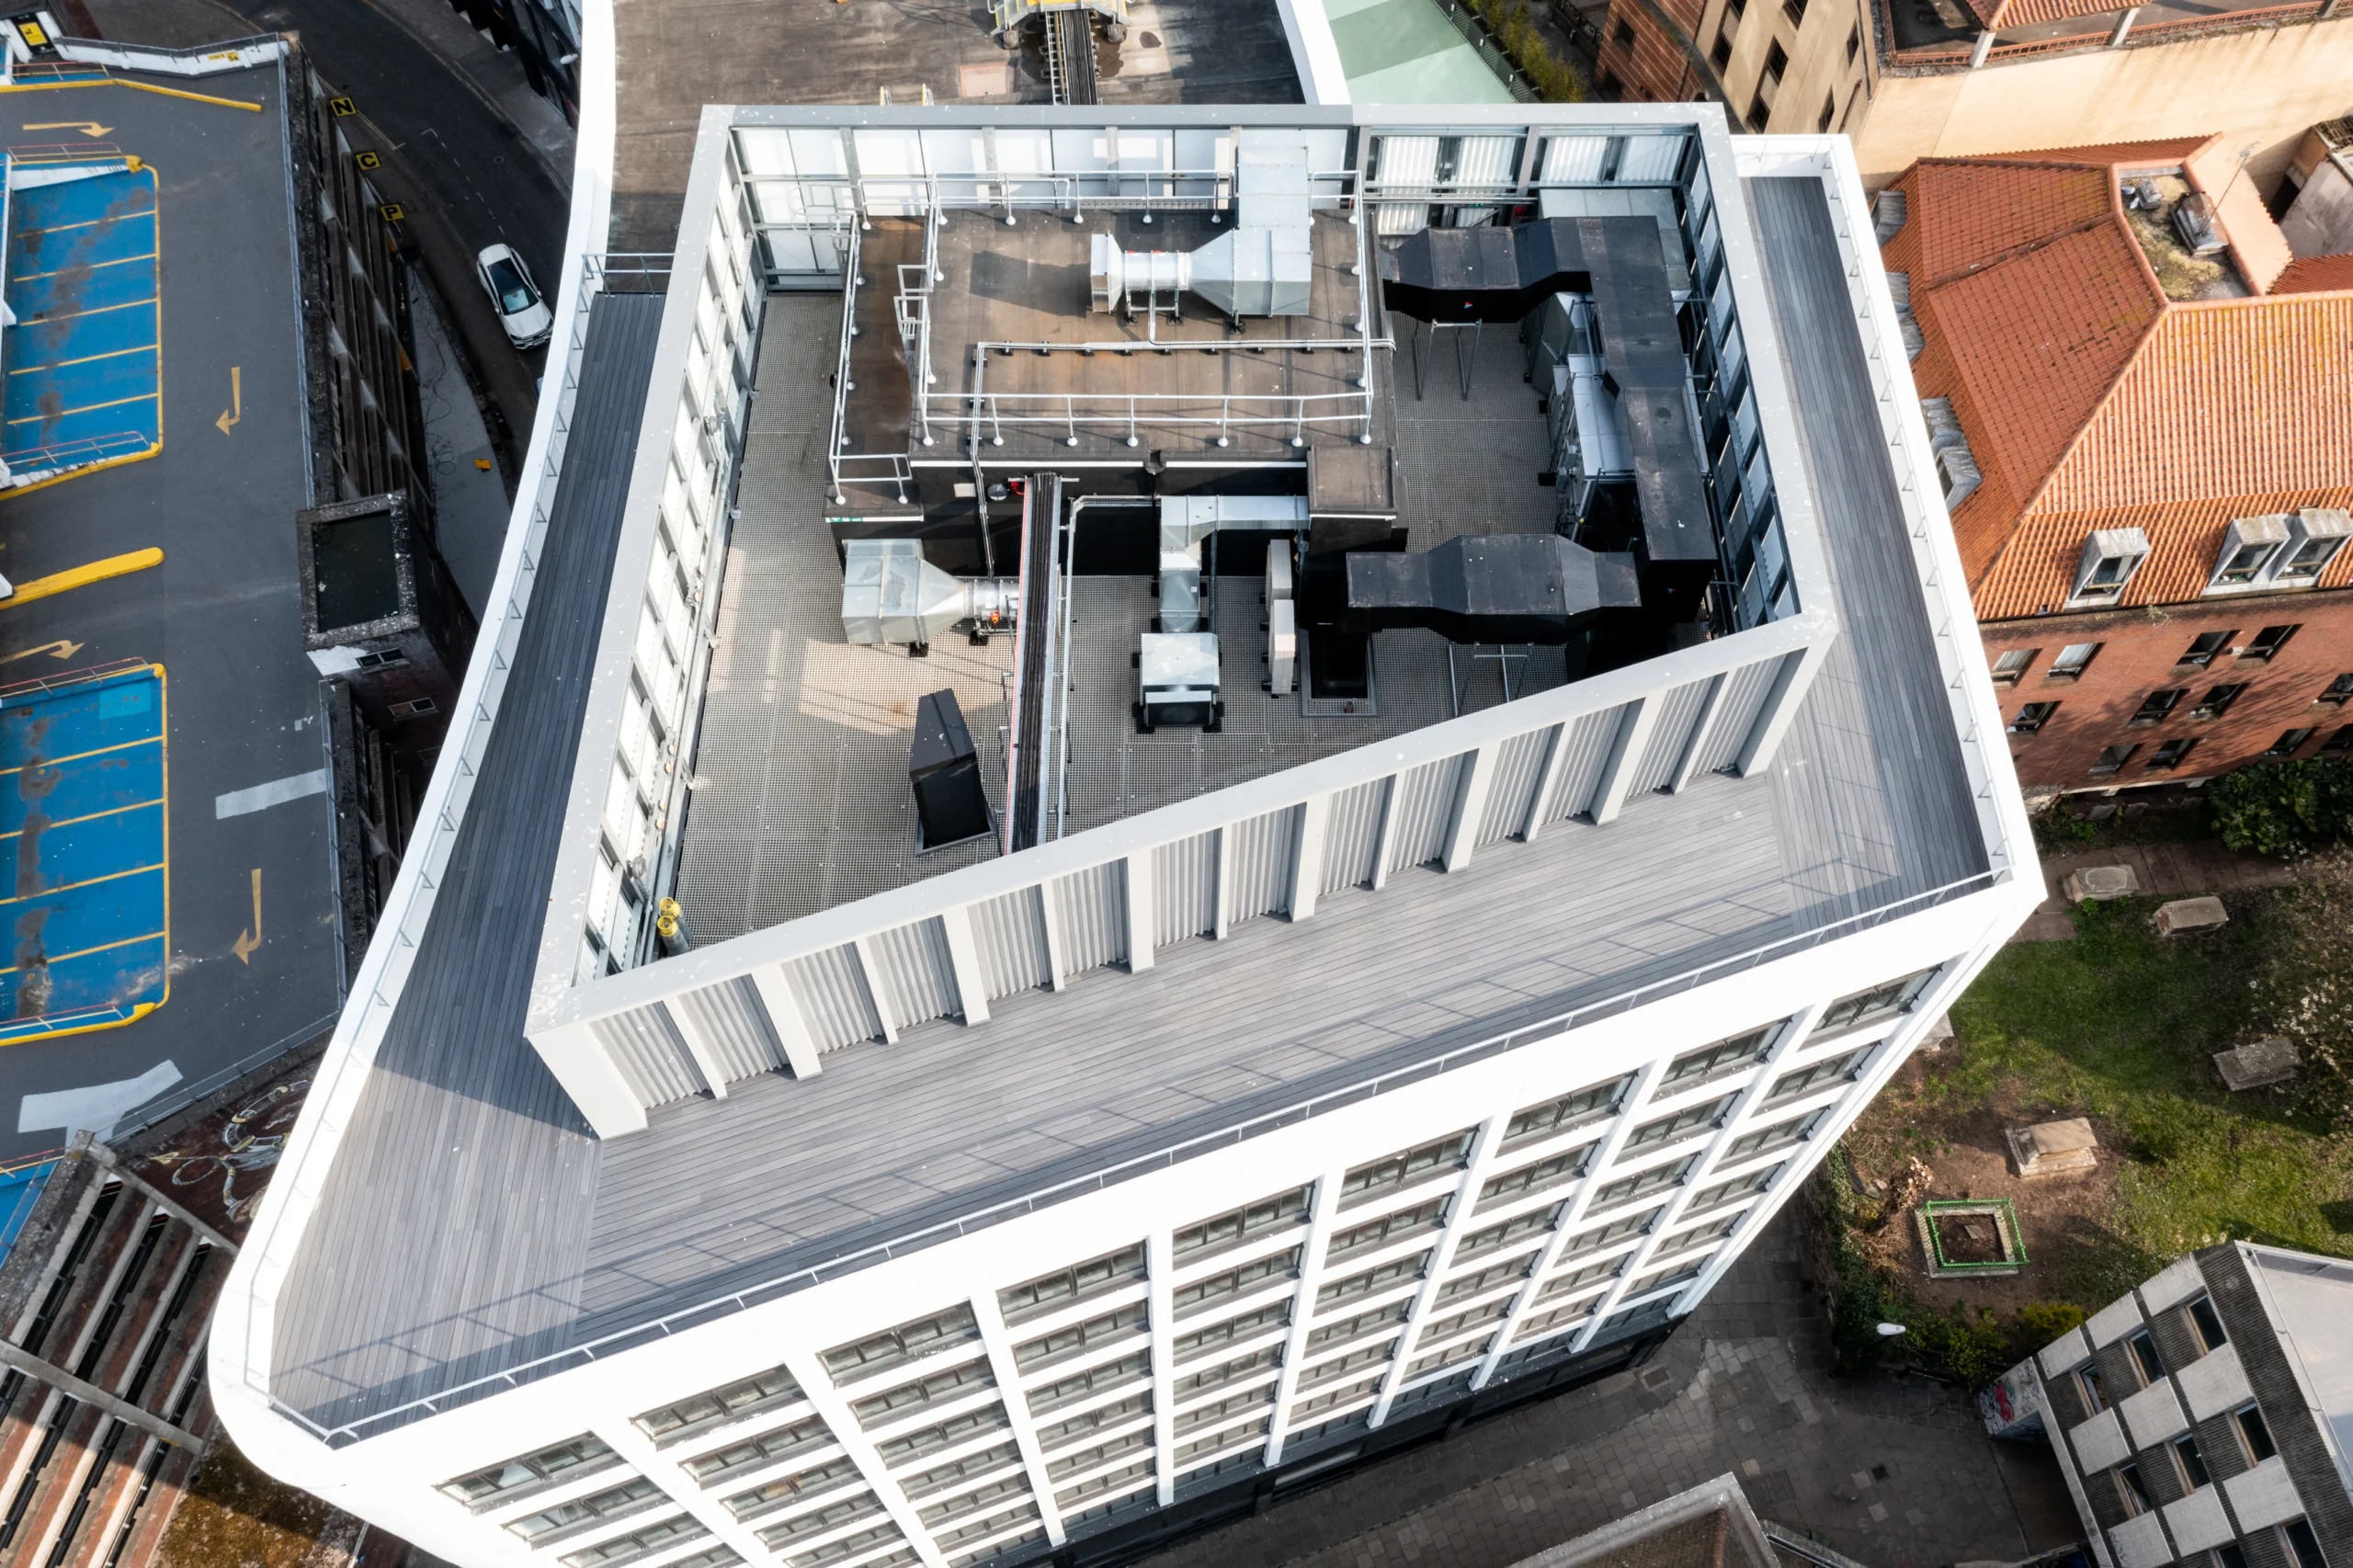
1070, 56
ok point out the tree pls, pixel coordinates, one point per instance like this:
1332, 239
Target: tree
2284, 808
2304, 992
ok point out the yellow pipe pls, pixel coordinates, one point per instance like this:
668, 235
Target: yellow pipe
80, 576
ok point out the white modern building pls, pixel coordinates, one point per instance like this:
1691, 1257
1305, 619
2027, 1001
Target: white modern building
1256, 1093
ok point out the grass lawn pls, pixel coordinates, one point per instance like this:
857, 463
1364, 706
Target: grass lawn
2120, 1026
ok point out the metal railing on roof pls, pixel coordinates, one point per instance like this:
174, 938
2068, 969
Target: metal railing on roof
733, 1302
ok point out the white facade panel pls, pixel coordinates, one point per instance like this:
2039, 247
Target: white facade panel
2264, 1495
2213, 1383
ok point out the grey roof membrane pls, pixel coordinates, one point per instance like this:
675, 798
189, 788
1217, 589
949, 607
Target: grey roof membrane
471, 1223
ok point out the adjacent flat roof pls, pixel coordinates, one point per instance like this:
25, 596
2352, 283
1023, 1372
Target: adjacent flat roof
469, 1221
674, 60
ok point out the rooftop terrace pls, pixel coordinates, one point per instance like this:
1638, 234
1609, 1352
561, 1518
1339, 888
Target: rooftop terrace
466, 1223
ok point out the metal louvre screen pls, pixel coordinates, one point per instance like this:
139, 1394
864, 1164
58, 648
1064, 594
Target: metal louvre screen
1010, 931
1743, 699
652, 1059
1091, 912
1258, 858
916, 976
1519, 763
833, 995
1352, 834
1679, 710
729, 1018
1185, 878
1588, 742
1425, 811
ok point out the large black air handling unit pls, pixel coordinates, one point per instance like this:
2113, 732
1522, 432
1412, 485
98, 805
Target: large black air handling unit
950, 804
1491, 588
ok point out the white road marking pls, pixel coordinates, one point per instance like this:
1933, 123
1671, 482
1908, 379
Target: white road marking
277, 792
94, 1107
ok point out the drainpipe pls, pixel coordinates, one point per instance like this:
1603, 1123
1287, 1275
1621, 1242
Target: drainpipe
2124, 26
1984, 47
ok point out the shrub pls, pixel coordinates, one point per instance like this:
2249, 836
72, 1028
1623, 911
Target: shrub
2284, 808
2039, 1323
2303, 991
1555, 81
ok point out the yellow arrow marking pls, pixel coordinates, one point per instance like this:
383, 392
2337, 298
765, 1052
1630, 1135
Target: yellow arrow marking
237, 409
89, 128
246, 942
79, 577
61, 649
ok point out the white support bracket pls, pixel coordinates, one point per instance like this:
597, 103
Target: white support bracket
1469, 808
1639, 718
868, 969
1307, 856
965, 958
1143, 928
699, 1046
791, 1030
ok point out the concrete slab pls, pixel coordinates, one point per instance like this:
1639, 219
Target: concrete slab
2053, 1148
2101, 883
2252, 1066
2191, 915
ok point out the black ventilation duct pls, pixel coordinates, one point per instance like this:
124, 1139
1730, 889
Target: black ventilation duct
1491, 588
1483, 273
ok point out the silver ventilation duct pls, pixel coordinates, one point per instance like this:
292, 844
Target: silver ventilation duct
891, 594
1262, 267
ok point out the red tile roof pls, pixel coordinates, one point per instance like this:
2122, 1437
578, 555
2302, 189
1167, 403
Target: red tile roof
2315, 274
2089, 399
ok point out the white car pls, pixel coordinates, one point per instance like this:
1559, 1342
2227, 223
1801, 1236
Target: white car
521, 309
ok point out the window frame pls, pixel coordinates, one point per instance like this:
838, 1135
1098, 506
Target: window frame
2327, 527
2131, 1491
2290, 742
2265, 646
2171, 754
2255, 1441
2114, 760
2217, 699
2157, 706
2004, 673
2204, 648
2096, 582
2032, 716
2060, 669
2219, 1336
2250, 547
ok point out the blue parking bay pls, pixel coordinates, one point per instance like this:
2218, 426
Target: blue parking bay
82, 364
81, 819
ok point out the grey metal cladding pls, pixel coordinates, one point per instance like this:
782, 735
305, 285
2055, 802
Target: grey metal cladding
650, 1057
1426, 800
2277, 1390
1352, 834
734, 1026
1589, 739
1736, 714
1258, 855
1010, 931
831, 988
1091, 914
912, 970
1671, 735
1518, 763
1185, 882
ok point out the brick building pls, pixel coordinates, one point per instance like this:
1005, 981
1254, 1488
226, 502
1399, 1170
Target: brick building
2147, 445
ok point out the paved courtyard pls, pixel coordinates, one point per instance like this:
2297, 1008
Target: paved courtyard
1895, 1472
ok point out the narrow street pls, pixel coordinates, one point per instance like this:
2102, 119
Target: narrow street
463, 174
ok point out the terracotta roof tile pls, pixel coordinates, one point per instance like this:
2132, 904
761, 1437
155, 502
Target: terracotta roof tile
2315, 274
1971, 212
2035, 342
2130, 155
2229, 398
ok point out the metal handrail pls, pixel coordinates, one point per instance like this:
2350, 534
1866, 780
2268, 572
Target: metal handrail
980, 1219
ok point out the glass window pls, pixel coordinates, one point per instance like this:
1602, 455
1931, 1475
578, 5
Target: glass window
1373, 1233
610, 1503
2254, 1432
1087, 1336
1596, 1102
579, 1455
911, 1396
1732, 1191
1790, 1084
1366, 1181
1066, 1287
1666, 1129
2170, 755
1715, 1061
1541, 1177
2110, 558
1781, 1135
1255, 1220
2229, 1556
2130, 1489
2193, 1463
2011, 663
2337, 692
2201, 650
2158, 706
2341, 742
2289, 742
903, 1343
2217, 699
2032, 716
2112, 760
2088, 1384
2144, 1356
2073, 661
1879, 1002
1626, 1190
2302, 1545
1233, 1281
2269, 640
2208, 1322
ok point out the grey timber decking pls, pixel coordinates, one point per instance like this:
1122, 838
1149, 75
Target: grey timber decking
466, 1171
436, 1258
